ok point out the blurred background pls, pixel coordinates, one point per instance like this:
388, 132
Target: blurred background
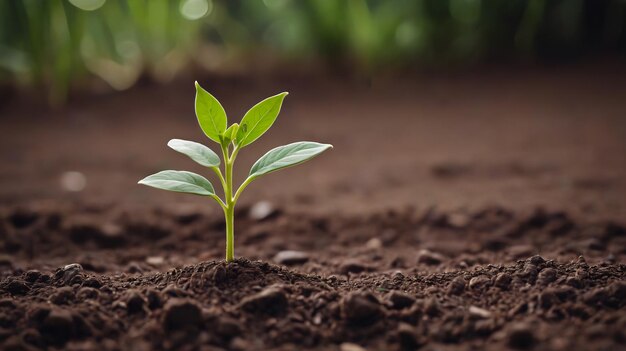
443, 103
57, 48
452, 110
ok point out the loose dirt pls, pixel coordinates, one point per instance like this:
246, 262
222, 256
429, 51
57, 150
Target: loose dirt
482, 211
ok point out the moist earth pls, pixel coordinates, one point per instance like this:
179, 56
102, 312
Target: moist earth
478, 210
399, 280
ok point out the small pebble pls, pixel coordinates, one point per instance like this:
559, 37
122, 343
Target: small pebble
479, 282
374, 244
155, 260
429, 257
290, 257
70, 271
458, 220
479, 312
73, 181
348, 346
262, 210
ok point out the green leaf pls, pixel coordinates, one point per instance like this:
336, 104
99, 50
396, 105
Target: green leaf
287, 156
196, 151
210, 113
179, 181
229, 134
259, 119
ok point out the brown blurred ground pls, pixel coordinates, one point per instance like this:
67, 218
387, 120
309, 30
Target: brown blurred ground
515, 137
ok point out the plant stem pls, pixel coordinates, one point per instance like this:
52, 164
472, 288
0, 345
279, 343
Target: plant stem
229, 213
241, 188
229, 210
219, 175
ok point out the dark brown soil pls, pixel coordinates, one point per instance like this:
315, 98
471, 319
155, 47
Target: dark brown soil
478, 212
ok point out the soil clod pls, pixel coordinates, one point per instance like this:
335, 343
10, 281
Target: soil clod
377, 299
353, 266
134, 302
503, 280
57, 327
272, 301
181, 314
520, 336
457, 286
479, 283
361, 309
400, 300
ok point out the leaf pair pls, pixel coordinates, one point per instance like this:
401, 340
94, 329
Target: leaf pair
213, 121
188, 182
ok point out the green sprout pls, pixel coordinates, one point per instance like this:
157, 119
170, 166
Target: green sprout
213, 122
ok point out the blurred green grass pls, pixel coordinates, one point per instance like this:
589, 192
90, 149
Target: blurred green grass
55, 45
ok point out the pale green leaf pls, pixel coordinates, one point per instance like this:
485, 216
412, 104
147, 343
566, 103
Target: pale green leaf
259, 119
210, 113
196, 151
287, 156
180, 181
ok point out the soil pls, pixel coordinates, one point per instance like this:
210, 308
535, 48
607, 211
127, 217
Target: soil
479, 211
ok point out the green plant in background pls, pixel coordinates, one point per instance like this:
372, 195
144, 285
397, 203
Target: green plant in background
56, 45
231, 139
51, 44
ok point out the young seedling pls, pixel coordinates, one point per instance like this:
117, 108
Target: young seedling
213, 122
